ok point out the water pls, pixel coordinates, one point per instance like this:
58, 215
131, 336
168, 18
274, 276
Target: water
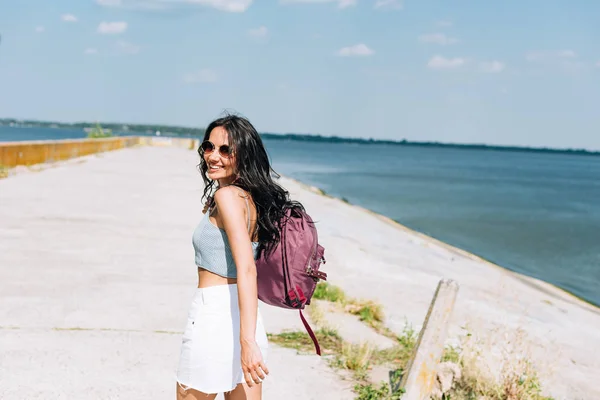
534, 213
11, 133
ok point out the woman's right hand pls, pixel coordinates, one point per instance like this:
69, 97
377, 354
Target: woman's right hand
253, 366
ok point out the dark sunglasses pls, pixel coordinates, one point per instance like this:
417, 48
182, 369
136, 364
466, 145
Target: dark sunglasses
208, 147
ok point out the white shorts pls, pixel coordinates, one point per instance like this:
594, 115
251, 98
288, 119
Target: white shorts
210, 348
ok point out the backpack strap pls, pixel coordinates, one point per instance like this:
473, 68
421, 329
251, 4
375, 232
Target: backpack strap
291, 290
310, 333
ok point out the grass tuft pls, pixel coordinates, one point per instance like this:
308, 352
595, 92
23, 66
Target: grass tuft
369, 391
317, 314
329, 340
355, 357
3, 171
368, 311
325, 291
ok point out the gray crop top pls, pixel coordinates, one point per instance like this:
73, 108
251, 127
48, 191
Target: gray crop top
211, 245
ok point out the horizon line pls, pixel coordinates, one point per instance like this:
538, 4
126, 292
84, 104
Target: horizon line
317, 137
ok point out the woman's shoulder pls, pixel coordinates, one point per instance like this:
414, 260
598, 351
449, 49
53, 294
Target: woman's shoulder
230, 196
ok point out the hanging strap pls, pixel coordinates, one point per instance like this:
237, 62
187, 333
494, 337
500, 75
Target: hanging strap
310, 333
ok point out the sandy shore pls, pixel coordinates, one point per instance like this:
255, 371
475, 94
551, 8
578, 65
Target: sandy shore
96, 274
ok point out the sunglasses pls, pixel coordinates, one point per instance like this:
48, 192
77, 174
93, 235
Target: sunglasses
208, 147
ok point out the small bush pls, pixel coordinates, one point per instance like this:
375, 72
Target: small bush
99, 132
452, 354
368, 311
325, 291
3, 171
372, 392
408, 338
355, 357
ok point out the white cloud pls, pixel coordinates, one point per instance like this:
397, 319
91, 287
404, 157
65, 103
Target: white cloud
438, 38
261, 31
341, 3
598, 64
69, 18
358, 50
107, 28
202, 76
439, 62
388, 4
127, 48
40, 29
223, 5
492, 67
90, 51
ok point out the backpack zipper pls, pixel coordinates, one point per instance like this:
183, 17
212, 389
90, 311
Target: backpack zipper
308, 266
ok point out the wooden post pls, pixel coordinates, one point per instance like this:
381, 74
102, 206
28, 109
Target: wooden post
421, 371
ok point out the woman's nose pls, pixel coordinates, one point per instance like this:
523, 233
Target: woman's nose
214, 156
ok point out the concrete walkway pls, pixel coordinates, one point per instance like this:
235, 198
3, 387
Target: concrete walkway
97, 272
96, 276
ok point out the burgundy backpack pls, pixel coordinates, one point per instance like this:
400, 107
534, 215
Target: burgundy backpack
288, 275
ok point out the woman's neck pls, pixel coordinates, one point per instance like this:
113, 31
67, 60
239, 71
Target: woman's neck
225, 182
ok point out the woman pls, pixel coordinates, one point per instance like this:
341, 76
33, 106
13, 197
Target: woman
224, 344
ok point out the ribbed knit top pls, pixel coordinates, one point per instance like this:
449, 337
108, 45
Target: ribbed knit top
212, 248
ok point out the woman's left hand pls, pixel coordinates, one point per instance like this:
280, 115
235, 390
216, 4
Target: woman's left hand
253, 366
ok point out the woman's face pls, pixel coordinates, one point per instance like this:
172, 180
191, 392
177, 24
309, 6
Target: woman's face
220, 167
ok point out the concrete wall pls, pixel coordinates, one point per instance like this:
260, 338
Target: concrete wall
36, 152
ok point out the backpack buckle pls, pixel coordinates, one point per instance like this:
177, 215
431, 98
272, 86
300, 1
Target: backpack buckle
294, 302
298, 299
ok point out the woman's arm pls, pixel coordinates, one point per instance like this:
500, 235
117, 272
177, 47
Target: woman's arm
231, 210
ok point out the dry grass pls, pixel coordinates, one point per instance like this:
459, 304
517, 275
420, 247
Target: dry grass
491, 370
368, 311
355, 357
329, 340
326, 291
317, 314
497, 371
3, 171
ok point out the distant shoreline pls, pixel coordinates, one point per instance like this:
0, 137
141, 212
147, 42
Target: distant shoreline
169, 130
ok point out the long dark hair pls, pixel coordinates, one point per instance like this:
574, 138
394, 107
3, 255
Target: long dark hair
253, 174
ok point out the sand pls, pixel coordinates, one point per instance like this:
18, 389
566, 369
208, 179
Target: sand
96, 275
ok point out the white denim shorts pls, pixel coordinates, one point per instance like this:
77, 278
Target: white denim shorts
210, 348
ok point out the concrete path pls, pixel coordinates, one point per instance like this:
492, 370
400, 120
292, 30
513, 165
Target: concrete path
96, 276
96, 268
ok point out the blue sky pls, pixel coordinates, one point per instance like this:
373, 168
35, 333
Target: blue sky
471, 71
